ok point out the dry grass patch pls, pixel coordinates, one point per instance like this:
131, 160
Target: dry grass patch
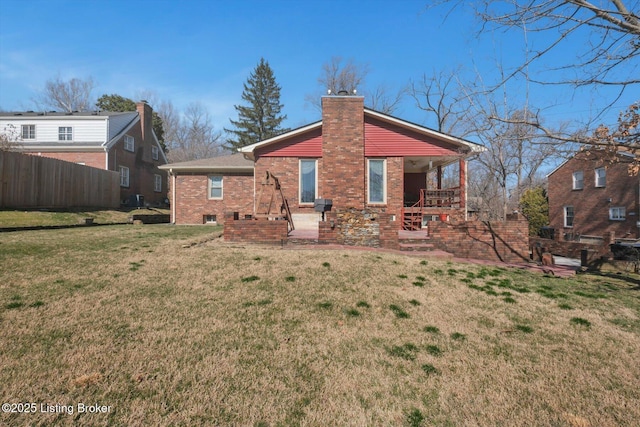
168, 332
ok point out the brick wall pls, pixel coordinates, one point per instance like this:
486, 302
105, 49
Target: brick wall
506, 241
254, 230
343, 174
95, 160
193, 201
287, 170
591, 204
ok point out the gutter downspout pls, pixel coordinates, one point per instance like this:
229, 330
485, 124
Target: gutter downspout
173, 196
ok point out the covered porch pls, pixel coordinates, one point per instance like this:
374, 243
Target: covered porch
434, 190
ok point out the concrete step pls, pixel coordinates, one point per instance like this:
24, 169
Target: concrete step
416, 246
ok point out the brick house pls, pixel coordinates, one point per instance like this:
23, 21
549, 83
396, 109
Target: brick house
357, 157
589, 195
203, 190
121, 142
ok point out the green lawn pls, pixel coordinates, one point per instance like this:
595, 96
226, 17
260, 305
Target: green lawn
33, 218
169, 325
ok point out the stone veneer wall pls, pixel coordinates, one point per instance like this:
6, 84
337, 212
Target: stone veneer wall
359, 227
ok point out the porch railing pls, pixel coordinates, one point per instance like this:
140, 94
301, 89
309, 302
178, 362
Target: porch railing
447, 198
412, 215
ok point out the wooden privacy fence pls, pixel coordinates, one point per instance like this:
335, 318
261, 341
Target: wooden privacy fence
39, 182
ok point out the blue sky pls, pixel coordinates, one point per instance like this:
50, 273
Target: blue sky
203, 51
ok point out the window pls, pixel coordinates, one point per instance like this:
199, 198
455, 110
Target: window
601, 177
129, 143
154, 152
124, 176
215, 187
568, 216
617, 214
65, 133
308, 180
377, 181
578, 180
210, 219
157, 183
28, 131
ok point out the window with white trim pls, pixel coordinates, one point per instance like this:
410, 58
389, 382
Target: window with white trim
377, 181
215, 187
157, 183
308, 180
210, 219
154, 152
124, 176
601, 177
65, 133
568, 216
129, 143
617, 213
578, 180
28, 131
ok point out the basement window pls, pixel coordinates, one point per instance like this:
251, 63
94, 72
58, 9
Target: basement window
210, 219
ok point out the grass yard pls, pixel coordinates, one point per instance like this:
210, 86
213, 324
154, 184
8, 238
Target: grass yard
34, 218
166, 325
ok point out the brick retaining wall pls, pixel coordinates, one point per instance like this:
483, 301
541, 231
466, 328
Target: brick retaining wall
506, 241
259, 230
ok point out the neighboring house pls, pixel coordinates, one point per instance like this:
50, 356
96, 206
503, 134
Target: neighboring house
357, 157
591, 196
121, 142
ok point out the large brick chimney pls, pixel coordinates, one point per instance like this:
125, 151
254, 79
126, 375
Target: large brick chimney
146, 118
343, 163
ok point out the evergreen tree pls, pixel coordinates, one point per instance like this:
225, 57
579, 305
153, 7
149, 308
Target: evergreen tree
534, 204
260, 117
119, 104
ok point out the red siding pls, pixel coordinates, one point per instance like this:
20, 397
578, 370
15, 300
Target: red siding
308, 144
384, 139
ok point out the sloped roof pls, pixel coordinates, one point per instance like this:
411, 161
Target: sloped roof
230, 163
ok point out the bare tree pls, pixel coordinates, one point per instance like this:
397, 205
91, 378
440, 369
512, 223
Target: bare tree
66, 96
192, 136
339, 75
9, 138
603, 35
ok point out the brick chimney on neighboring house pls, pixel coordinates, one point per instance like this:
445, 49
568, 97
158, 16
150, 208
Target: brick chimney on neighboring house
146, 118
343, 163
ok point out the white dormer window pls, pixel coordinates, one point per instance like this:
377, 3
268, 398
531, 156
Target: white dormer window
129, 143
65, 133
28, 131
154, 152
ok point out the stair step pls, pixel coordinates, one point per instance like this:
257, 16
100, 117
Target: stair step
416, 246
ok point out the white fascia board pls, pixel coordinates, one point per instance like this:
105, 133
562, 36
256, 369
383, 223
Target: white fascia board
474, 147
61, 148
207, 169
250, 148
